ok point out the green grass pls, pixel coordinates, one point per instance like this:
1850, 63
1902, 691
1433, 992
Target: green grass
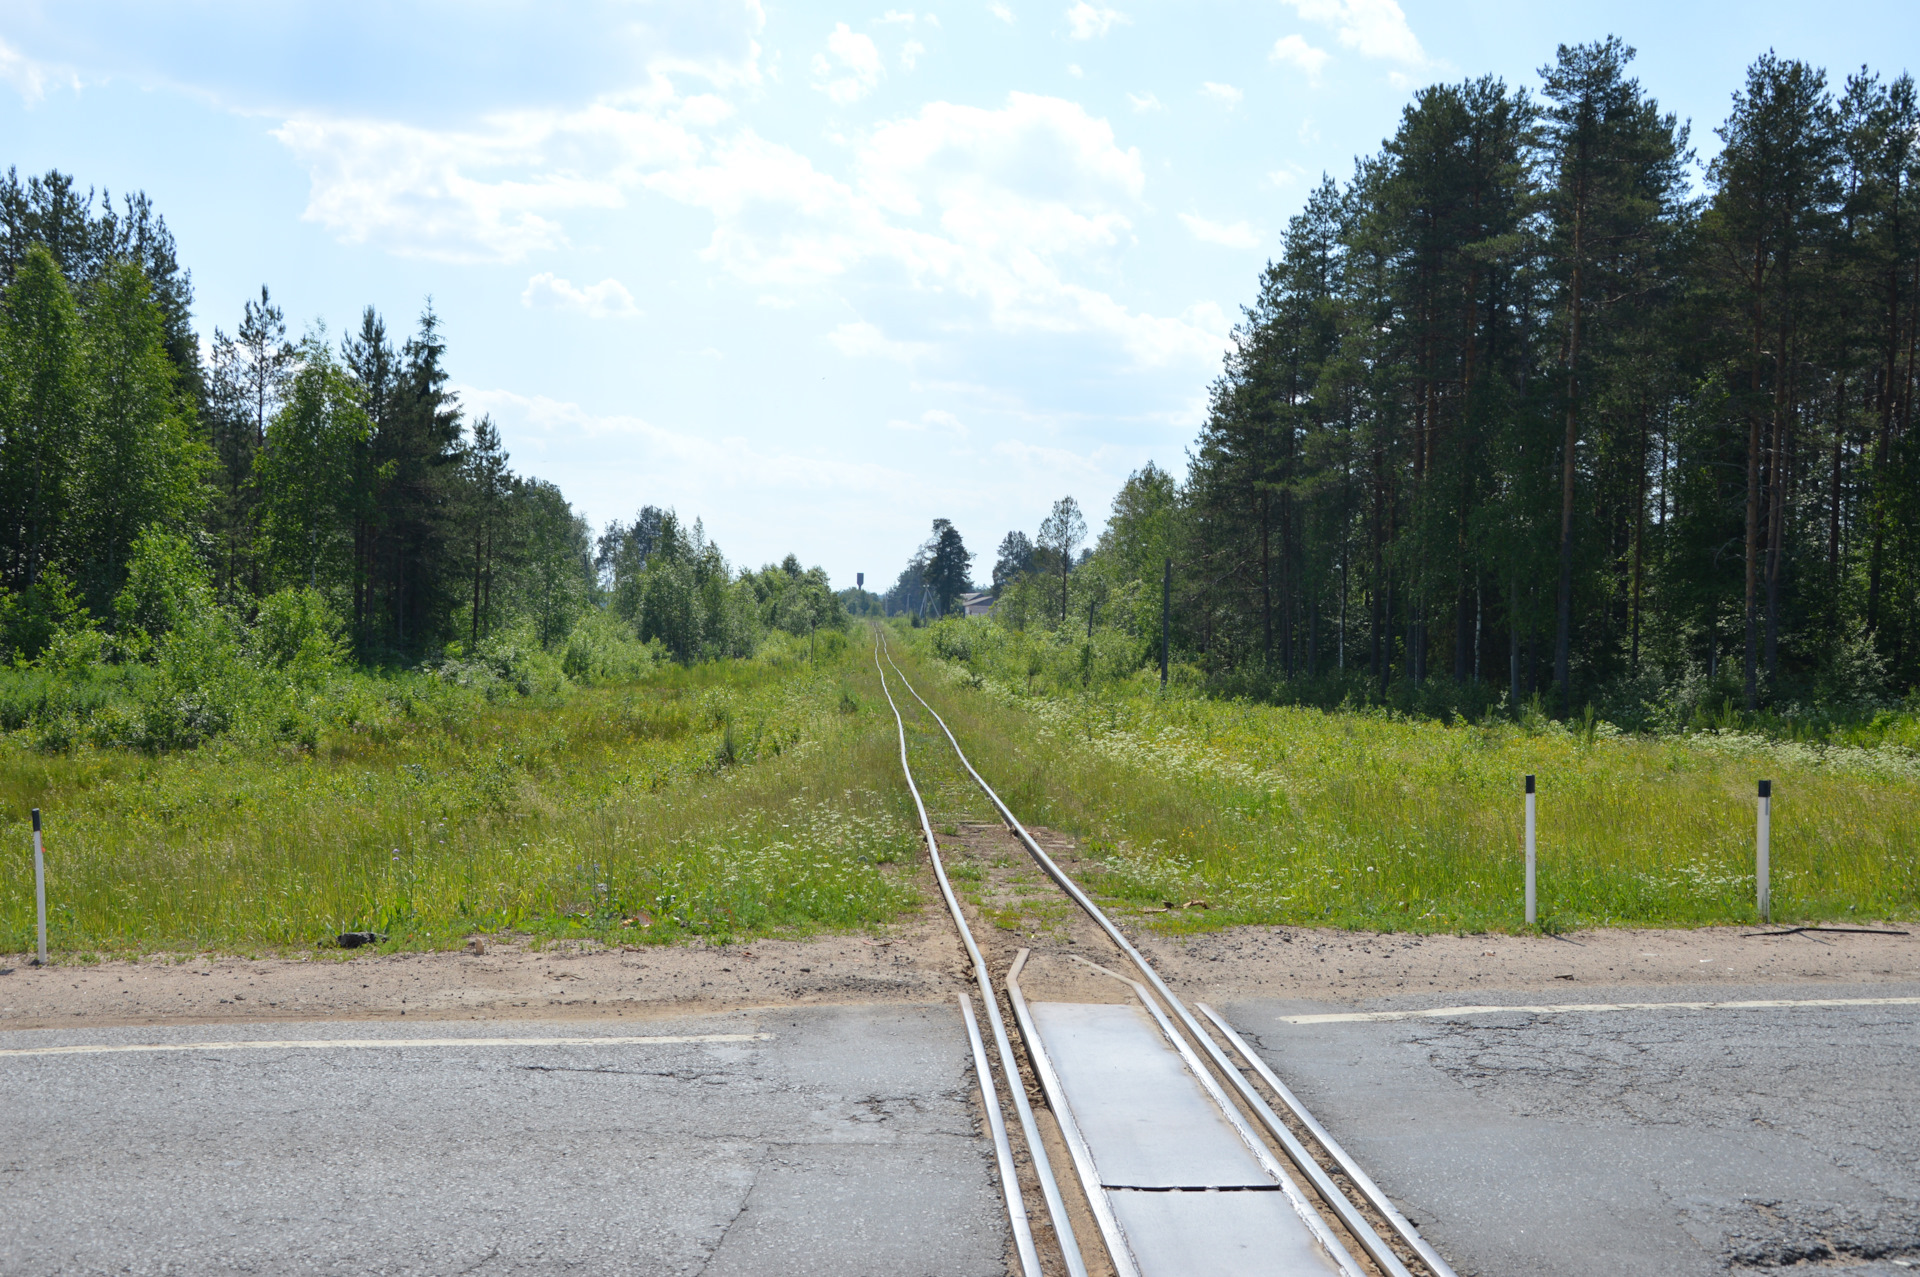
1369, 820
745, 798
724, 800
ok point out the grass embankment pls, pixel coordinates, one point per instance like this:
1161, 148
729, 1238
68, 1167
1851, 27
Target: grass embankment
1368, 820
726, 800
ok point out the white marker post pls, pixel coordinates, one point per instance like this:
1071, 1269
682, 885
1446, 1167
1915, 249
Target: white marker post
1531, 912
40, 885
1763, 852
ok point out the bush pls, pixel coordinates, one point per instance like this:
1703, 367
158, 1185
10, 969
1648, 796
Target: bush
602, 648
511, 663
167, 586
298, 634
30, 620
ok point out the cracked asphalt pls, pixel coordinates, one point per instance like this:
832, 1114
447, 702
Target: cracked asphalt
1665, 1141
843, 1144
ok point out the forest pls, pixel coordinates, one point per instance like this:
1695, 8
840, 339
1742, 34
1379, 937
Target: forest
197, 535
1538, 409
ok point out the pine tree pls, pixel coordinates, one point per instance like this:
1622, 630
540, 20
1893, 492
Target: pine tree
1060, 535
948, 570
247, 385
1616, 166
1771, 211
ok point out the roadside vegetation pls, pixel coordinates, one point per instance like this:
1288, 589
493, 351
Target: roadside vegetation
1371, 818
288, 650
724, 799
1484, 490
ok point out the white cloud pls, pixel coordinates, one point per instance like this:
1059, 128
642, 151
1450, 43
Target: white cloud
1006, 219
1222, 93
678, 463
1073, 69
910, 53
1085, 22
1144, 102
931, 421
1053, 463
1372, 28
425, 193
850, 68
608, 299
30, 79
1295, 51
1237, 235
862, 340
1001, 12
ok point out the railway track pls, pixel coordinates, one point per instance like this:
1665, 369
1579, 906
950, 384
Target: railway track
1145, 1140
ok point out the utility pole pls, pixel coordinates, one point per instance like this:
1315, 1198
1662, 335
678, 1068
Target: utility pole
1166, 610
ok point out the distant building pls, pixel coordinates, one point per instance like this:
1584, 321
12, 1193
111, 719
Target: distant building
978, 603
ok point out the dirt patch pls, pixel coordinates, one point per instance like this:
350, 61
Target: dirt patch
1345, 966
1011, 905
1015, 906
918, 962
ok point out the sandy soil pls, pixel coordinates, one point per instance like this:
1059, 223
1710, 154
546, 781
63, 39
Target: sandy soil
1354, 966
922, 961
505, 982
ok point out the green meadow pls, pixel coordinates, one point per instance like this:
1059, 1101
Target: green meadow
746, 797
723, 799
1368, 819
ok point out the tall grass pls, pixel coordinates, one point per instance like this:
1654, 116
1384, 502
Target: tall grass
726, 799
1369, 819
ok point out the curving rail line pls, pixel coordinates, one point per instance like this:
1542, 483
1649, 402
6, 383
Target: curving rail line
1220, 1062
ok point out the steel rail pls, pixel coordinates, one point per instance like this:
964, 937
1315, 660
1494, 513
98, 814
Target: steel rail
1349, 1215
1361, 1180
1269, 1163
1117, 1249
1009, 1063
1002, 1148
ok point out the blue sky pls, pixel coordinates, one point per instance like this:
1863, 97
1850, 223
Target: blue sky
815, 273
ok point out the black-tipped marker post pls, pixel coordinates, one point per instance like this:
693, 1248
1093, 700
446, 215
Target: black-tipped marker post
1763, 853
1532, 913
40, 886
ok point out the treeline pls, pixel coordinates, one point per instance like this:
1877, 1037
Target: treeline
1521, 416
147, 487
1519, 408
1516, 404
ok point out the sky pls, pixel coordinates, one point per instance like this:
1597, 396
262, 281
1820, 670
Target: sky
815, 274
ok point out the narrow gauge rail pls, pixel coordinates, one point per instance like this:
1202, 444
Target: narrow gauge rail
1180, 1153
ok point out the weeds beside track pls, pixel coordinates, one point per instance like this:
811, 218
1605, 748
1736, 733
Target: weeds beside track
723, 800
1369, 820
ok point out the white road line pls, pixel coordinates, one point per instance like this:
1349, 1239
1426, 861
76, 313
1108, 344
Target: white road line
315, 1044
1441, 1013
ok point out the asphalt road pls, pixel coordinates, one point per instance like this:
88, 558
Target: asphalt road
1645, 1142
1666, 1141
844, 1143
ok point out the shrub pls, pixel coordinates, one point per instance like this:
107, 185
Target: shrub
297, 633
167, 586
602, 648
31, 619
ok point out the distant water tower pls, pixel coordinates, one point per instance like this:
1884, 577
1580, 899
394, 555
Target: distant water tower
860, 580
